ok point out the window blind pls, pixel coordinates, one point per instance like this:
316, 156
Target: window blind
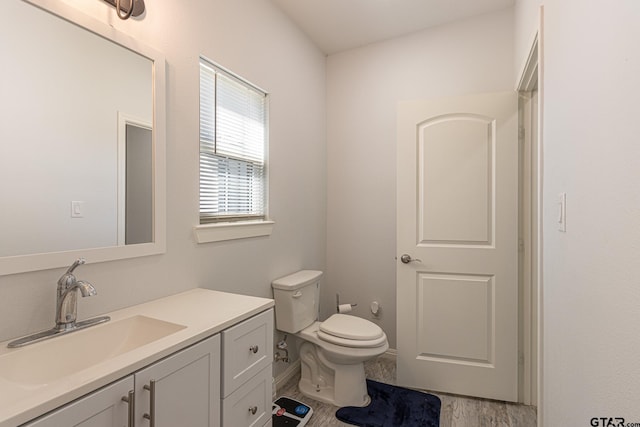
232, 147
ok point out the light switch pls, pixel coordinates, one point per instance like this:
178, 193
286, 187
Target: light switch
562, 212
77, 209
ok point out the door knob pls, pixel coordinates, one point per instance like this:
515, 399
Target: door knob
406, 259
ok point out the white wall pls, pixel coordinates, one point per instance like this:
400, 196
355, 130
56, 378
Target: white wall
254, 39
590, 291
363, 88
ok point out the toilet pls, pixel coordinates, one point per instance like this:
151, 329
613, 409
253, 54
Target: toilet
333, 352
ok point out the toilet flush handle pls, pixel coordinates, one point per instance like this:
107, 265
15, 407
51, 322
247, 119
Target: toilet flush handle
297, 294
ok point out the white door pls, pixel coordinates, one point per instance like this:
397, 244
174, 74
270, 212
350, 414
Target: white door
457, 218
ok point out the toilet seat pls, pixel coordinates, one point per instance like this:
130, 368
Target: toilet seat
344, 342
351, 331
351, 327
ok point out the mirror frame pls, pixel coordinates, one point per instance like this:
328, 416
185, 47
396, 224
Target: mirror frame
43, 261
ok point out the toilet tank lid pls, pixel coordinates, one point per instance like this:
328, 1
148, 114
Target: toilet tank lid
297, 280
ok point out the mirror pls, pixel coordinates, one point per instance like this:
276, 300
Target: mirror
81, 140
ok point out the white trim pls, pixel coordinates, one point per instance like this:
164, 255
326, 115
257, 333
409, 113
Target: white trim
208, 233
391, 353
529, 75
525, 72
219, 68
528, 231
531, 79
527, 243
540, 287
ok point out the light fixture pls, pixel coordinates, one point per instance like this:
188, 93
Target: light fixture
127, 8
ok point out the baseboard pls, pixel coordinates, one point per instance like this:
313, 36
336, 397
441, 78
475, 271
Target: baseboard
392, 353
290, 372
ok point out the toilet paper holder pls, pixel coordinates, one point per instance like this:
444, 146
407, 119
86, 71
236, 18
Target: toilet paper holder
338, 304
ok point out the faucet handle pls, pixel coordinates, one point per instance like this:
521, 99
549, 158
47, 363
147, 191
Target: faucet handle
68, 279
76, 263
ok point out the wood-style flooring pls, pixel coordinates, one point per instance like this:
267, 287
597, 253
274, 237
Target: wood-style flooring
456, 411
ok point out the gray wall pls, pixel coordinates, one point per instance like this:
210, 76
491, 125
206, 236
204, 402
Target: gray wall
139, 186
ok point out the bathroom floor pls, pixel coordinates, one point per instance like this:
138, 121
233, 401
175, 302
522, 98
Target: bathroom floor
457, 411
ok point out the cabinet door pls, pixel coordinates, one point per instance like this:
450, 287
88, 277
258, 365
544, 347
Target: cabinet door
102, 408
183, 389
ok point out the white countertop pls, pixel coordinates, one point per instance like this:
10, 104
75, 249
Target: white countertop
202, 312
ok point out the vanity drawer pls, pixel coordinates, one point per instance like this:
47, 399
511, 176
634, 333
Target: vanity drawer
249, 405
247, 348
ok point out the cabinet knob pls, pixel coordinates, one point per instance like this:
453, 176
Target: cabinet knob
253, 349
253, 410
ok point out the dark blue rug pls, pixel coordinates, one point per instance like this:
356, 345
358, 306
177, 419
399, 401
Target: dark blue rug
393, 407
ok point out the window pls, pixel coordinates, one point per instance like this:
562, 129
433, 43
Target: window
233, 136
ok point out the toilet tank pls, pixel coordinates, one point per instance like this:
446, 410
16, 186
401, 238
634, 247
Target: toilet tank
297, 300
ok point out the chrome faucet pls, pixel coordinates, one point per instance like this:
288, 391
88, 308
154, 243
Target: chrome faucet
66, 308
67, 301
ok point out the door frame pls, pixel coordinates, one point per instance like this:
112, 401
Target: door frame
530, 223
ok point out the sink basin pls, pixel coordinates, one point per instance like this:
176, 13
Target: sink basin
50, 360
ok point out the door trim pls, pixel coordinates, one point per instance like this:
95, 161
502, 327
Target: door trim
530, 116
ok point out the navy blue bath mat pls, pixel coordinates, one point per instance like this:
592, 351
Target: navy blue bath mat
393, 407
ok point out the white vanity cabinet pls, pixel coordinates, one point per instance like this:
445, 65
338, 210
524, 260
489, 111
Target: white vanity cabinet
102, 408
212, 368
224, 380
181, 390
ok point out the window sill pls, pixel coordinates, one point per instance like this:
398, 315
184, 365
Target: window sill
208, 233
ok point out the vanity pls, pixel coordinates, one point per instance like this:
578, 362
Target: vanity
198, 358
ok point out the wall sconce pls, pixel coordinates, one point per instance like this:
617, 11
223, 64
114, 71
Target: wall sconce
127, 8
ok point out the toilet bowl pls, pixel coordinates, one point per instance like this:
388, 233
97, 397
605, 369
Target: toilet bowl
333, 352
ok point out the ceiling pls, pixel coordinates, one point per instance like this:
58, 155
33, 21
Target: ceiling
337, 25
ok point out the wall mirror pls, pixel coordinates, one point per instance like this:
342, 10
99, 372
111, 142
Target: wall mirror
82, 140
